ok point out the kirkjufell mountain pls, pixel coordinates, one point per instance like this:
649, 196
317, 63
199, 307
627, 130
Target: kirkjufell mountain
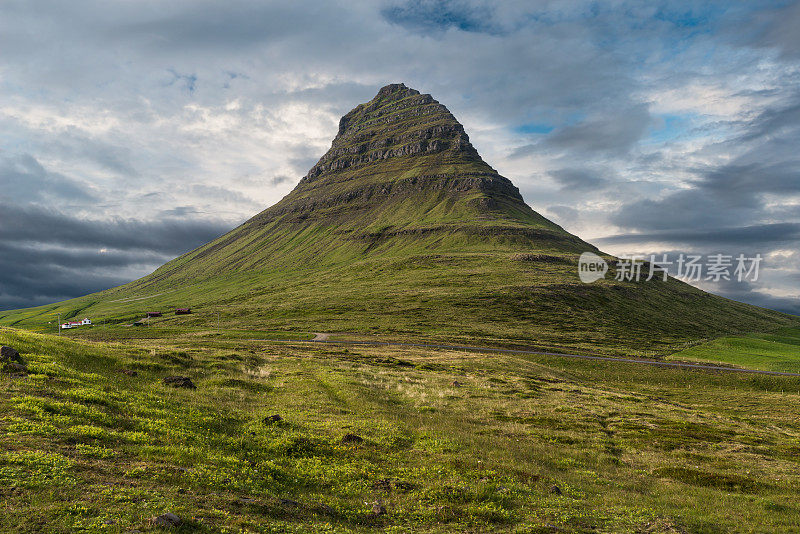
402, 230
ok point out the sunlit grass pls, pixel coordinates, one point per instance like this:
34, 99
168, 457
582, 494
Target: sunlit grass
452, 441
770, 352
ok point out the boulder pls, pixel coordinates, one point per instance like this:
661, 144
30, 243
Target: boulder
378, 509
382, 485
272, 419
168, 520
179, 382
15, 368
8, 354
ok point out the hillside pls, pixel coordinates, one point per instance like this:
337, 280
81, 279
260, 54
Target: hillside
402, 230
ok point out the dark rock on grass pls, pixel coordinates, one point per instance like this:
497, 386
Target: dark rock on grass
272, 419
129, 372
378, 509
168, 520
403, 486
555, 490
323, 509
8, 354
456, 384
382, 485
15, 369
179, 382
352, 438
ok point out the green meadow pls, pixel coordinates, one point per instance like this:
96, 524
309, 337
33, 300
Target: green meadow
779, 351
451, 441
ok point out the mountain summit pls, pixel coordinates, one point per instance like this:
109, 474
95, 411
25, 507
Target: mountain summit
403, 161
398, 122
401, 229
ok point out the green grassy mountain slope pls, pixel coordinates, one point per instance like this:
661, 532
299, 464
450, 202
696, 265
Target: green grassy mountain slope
401, 229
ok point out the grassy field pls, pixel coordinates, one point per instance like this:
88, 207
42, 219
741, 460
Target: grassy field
770, 352
452, 441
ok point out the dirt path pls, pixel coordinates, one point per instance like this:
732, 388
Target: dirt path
323, 338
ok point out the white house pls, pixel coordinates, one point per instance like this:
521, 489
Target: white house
76, 324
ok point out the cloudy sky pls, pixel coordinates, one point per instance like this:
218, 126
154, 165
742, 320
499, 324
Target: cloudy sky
133, 131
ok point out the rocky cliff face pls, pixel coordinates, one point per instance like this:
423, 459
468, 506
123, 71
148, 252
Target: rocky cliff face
400, 147
398, 122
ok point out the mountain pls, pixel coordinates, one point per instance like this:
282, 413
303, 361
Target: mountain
402, 230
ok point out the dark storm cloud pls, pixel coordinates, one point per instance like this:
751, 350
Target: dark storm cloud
749, 292
24, 179
34, 224
688, 209
47, 256
736, 191
764, 235
34, 275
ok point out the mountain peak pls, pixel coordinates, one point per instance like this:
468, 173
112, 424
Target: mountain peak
402, 227
396, 89
397, 122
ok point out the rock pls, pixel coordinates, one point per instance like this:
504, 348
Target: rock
456, 384
378, 509
129, 372
272, 419
352, 438
179, 382
382, 485
555, 490
168, 520
15, 368
323, 508
7, 354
